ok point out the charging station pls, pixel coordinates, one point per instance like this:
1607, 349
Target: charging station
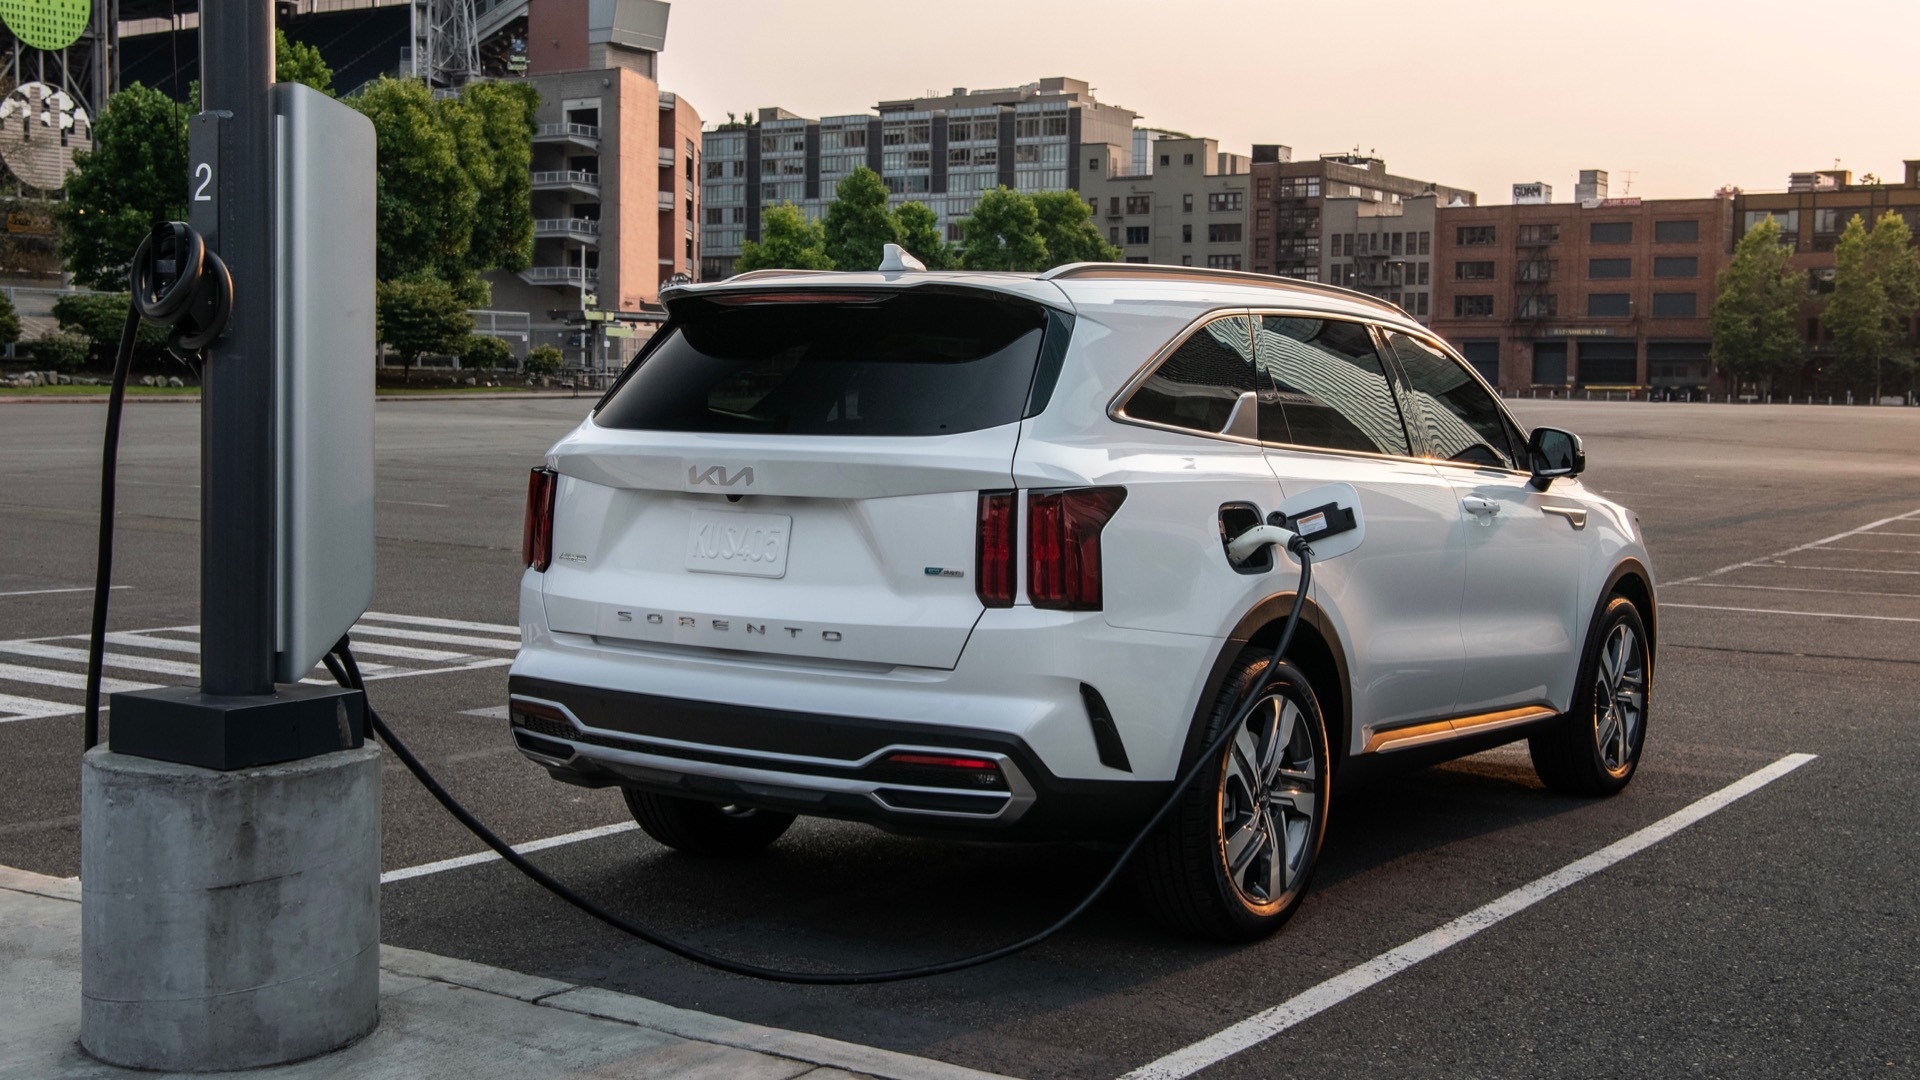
230, 832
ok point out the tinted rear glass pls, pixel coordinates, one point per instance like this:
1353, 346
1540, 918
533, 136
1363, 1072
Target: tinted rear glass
902, 364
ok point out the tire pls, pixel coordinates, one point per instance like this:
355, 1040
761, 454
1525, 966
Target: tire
1594, 749
704, 828
1269, 793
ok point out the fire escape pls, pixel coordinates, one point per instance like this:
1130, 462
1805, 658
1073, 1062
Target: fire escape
1533, 278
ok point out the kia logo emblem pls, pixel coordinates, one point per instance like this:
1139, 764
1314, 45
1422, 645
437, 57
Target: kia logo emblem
716, 476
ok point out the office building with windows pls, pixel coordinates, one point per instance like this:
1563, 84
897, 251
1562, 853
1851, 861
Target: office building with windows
1606, 293
1344, 219
942, 151
1183, 202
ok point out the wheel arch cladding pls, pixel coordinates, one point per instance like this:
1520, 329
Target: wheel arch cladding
1316, 650
1631, 580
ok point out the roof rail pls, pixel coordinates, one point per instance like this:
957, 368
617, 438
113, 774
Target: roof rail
754, 275
1200, 273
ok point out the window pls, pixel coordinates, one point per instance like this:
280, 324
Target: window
1539, 234
714, 216
1263, 220
1138, 259
1424, 267
1223, 234
1676, 232
1223, 200
1056, 126
1186, 260
1483, 356
1472, 307
1186, 203
1113, 235
1137, 234
1537, 270
1609, 268
1186, 234
1262, 247
1610, 232
1328, 388
1396, 243
1139, 204
1676, 266
1224, 262
1166, 159
716, 170
1197, 386
1473, 235
1473, 271
1426, 244
1422, 297
1675, 305
1543, 306
1026, 154
1609, 305
1456, 417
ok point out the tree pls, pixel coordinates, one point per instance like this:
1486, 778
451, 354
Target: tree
858, 224
1067, 228
428, 203
100, 317
1756, 309
133, 179
421, 315
494, 125
485, 353
788, 241
294, 62
9, 321
918, 228
1876, 287
60, 351
1003, 233
544, 360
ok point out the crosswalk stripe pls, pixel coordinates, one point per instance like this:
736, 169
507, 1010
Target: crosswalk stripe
144, 640
26, 708
68, 680
444, 624
43, 651
440, 639
407, 652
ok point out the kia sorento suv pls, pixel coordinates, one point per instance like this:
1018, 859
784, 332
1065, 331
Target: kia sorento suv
947, 553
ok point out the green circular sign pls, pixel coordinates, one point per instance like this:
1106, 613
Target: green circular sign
46, 24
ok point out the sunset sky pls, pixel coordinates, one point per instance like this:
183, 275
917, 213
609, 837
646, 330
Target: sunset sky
1684, 95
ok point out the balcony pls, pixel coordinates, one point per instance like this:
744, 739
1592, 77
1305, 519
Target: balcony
666, 200
584, 183
667, 159
585, 230
585, 136
559, 275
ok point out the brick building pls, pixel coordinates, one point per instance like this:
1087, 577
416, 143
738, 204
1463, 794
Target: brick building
1602, 293
1182, 202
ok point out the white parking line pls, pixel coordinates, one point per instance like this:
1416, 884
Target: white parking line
49, 592
1780, 611
1869, 527
1835, 569
479, 857
66, 680
1877, 551
1260, 1027
491, 712
43, 651
367, 630
1789, 588
444, 624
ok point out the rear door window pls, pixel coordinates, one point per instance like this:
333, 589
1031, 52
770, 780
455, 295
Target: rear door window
900, 363
1327, 387
1196, 386
1456, 417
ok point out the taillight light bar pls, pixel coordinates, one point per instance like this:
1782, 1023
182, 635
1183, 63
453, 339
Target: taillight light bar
994, 554
536, 533
1063, 545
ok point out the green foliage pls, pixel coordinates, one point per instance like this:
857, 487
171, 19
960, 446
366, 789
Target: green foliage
421, 315
100, 317
544, 360
495, 126
1068, 231
60, 351
134, 178
918, 228
858, 224
788, 241
485, 353
1003, 234
9, 321
294, 62
1876, 288
1756, 309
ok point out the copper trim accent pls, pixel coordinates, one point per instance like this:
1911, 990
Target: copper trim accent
1575, 516
1403, 738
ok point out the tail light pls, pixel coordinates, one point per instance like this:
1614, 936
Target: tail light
536, 534
993, 554
1063, 545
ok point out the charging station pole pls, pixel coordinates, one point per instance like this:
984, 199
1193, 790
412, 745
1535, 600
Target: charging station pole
230, 832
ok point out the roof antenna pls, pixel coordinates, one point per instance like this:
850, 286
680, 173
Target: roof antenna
894, 259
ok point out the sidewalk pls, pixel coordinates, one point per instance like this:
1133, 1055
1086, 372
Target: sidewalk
439, 1017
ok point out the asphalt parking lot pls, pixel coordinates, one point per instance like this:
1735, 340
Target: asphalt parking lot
1768, 935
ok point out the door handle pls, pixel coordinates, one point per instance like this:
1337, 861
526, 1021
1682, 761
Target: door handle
1482, 509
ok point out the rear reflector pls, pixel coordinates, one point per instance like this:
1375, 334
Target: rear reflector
994, 550
536, 533
943, 761
1063, 545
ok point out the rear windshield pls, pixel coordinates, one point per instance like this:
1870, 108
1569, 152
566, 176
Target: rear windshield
908, 363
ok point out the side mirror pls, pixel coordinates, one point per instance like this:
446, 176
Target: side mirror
1552, 452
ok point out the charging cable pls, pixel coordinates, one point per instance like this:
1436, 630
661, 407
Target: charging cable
177, 281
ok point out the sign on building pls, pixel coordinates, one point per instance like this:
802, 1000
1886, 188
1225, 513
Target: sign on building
1534, 194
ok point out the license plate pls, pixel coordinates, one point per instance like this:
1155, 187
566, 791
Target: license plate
750, 544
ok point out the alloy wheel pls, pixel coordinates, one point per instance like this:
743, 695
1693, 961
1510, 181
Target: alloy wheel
1620, 698
1269, 798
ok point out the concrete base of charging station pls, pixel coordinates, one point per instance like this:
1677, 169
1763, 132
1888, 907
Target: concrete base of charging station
228, 919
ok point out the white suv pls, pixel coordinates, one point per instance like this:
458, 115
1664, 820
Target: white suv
945, 552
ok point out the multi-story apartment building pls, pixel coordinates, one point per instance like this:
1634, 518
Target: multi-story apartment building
942, 151
1183, 201
1601, 293
1304, 225
1812, 212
